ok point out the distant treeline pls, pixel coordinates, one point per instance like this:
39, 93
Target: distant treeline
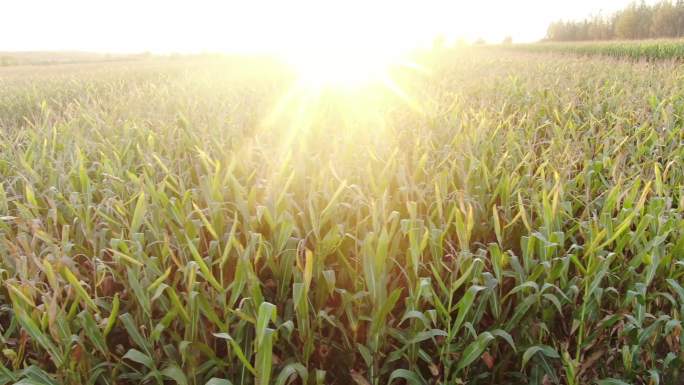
647, 50
664, 19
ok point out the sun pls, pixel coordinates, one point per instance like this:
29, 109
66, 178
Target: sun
340, 68
351, 70
330, 53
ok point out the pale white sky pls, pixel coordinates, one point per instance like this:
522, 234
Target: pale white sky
263, 25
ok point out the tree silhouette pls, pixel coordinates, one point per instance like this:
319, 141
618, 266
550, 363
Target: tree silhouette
638, 20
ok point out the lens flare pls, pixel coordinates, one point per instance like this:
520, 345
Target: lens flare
340, 68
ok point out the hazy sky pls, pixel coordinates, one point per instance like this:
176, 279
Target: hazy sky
261, 25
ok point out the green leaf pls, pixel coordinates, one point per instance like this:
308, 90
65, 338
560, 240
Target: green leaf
544, 349
139, 357
111, 321
264, 358
465, 304
175, 373
203, 266
133, 332
475, 350
289, 370
266, 314
7, 376
34, 375
93, 332
76, 285
43, 339
409, 376
380, 317
238, 351
426, 335
677, 288
138, 213
218, 381
502, 334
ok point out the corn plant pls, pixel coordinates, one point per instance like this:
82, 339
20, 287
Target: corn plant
498, 217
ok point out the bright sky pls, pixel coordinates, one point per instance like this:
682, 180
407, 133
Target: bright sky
275, 25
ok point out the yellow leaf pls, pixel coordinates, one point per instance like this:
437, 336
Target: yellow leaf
308, 268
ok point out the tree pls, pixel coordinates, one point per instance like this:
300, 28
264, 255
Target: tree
635, 21
665, 19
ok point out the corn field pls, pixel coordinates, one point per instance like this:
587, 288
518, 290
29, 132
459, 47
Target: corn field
499, 217
649, 50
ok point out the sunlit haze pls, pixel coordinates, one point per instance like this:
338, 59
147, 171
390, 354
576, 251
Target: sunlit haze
275, 26
300, 192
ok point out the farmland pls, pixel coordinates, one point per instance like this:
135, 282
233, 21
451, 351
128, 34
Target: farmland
507, 217
653, 50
